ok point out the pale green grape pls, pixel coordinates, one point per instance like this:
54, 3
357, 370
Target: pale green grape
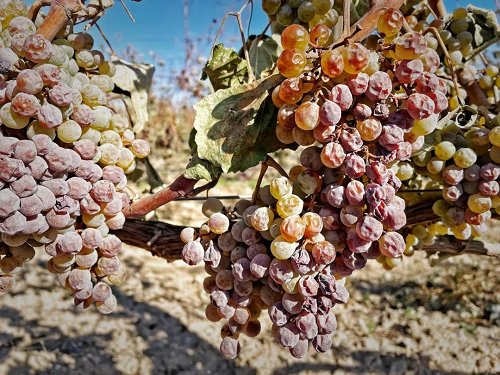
441, 207
102, 118
281, 186
405, 171
306, 11
105, 83
110, 136
479, 203
289, 205
445, 150
92, 134
107, 68
465, 157
11, 119
35, 128
69, 131
109, 154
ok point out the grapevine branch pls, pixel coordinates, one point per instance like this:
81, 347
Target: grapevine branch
168, 245
59, 14
251, 76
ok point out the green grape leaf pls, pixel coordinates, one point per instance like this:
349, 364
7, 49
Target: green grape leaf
483, 24
226, 69
199, 169
135, 80
235, 126
264, 53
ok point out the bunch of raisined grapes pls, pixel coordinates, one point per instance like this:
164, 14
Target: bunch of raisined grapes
64, 156
363, 112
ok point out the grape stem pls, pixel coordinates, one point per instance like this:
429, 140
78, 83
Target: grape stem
251, 76
447, 55
126, 10
106, 39
406, 26
263, 170
438, 8
269, 162
35, 8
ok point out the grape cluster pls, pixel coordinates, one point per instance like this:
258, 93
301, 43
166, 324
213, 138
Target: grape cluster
468, 163
64, 156
360, 111
309, 14
290, 253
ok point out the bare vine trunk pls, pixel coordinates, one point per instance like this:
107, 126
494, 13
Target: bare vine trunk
162, 239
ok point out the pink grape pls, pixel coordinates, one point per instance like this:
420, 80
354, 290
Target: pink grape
308, 286
92, 238
113, 173
306, 324
334, 194
31, 206
354, 166
259, 266
361, 112
25, 105
420, 106
36, 48
355, 243
322, 343
192, 253
409, 71
299, 351
392, 244
349, 215
29, 81
83, 115
330, 113
359, 84
350, 139
49, 116
333, 155
327, 323
391, 136
24, 186
43, 144
51, 74
330, 217
354, 261
301, 261
278, 314
355, 192
13, 224
323, 252
103, 191
440, 101
380, 86
288, 335
341, 95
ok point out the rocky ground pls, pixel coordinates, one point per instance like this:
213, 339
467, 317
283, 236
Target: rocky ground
416, 319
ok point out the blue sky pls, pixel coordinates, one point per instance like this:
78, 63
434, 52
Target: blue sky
159, 25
